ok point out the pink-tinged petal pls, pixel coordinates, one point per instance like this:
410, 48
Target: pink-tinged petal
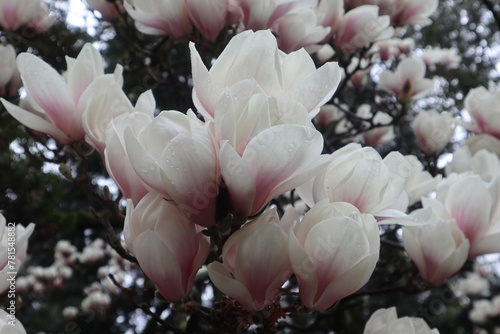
209, 17
260, 259
335, 245
116, 159
146, 167
160, 265
102, 101
85, 69
222, 279
49, 90
36, 122
238, 180
206, 90
303, 267
294, 146
189, 174
469, 202
347, 283
314, 91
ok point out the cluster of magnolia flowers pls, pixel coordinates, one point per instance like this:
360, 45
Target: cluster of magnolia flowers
348, 25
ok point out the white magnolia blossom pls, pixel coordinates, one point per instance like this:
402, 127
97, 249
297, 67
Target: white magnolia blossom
483, 163
448, 58
386, 321
408, 82
433, 130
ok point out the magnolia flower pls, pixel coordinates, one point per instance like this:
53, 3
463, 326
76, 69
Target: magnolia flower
165, 17
261, 15
12, 237
330, 13
411, 12
420, 182
433, 130
298, 29
107, 9
483, 106
250, 64
255, 172
392, 48
473, 204
361, 177
385, 321
58, 104
175, 154
444, 57
333, 251
115, 154
474, 284
482, 310
169, 248
408, 81
483, 163
209, 17
103, 101
438, 248
33, 13
483, 141
361, 26
255, 261
9, 74
9, 324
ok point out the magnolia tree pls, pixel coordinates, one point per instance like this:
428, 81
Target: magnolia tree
250, 166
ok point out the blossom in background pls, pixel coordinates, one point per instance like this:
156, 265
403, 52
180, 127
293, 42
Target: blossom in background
261, 15
298, 29
333, 252
168, 246
20, 235
438, 248
483, 106
483, 163
361, 26
166, 17
252, 63
210, 17
473, 203
109, 11
474, 284
255, 261
411, 12
444, 57
408, 82
483, 141
58, 106
433, 130
176, 155
386, 321
32, 13
9, 74
393, 48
